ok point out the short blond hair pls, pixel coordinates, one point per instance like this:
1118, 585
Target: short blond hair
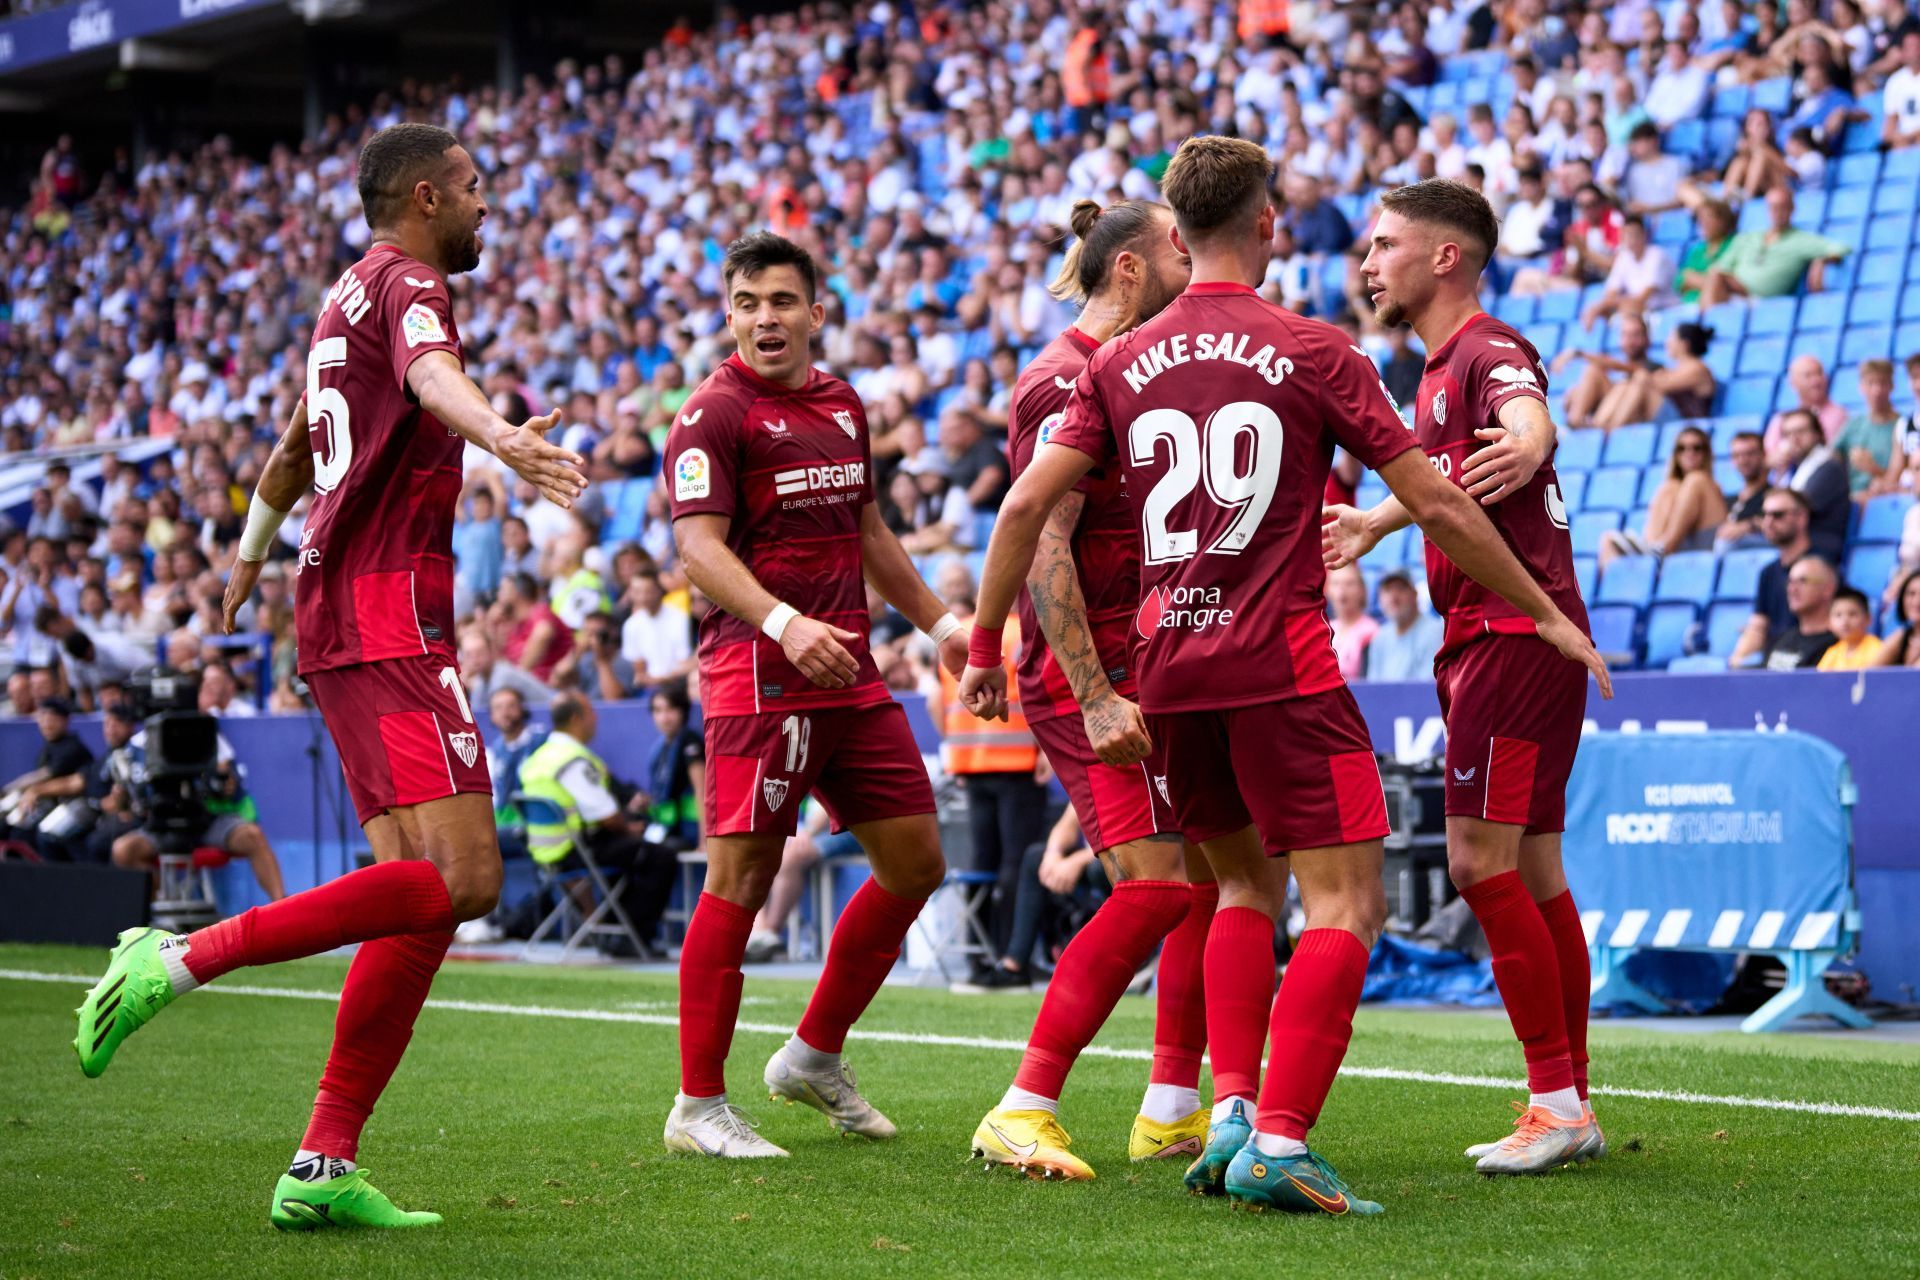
1215, 183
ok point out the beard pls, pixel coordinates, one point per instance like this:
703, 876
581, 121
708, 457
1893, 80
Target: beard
461, 251
1156, 291
1390, 313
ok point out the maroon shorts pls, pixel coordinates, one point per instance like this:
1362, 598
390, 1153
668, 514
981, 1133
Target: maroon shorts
861, 761
1114, 804
403, 730
1302, 770
1513, 708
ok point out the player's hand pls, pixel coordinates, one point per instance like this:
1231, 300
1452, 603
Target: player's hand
953, 651
240, 585
819, 649
1499, 469
1344, 536
983, 691
1117, 730
1572, 642
554, 471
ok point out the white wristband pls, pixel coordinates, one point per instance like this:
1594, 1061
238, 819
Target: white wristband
948, 625
263, 522
775, 623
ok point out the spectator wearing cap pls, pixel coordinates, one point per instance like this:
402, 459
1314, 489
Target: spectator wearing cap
1811, 586
1403, 647
1771, 262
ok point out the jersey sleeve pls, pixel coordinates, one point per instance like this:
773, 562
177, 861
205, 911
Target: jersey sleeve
1496, 372
1357, 407
1084, 424
419, 318
703, 458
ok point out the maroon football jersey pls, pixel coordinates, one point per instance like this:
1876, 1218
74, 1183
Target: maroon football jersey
1485, 364
1224, 411
375, 573
1106, 555
793, 470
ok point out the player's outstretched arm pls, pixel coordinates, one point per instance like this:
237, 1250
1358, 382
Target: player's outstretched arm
283, 481
1055, 469
817, 648
1115, 727
1517, 447
890, 569
443, 389
1348, 533
1460, 529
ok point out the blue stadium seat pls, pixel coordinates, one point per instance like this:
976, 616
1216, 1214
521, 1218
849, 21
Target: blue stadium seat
1859, 136
1730, 101
1740, 572
627, 511
1906, 342
1629, 580
1762, 356
983, 528
1516, 310
1686, 577
1869, 567
1728, 320
1697, 664
1810, 205
1672, 228
1686, 138
1587, 528
1561, 304
1725, 621
1668, 628
1866, 342
1772, 316
1895, 198
1670, 433
1752, 395
1611, 489
1910, 302
1638, 517
1859, 170
1615, 628
1845, 382
1824, 346
1573, 487
1872, 306
1875, 266
1579, 449
1392, 549
1774, 96
1545, 334
1723, 138
1821, 311
1727, 476
1630, 446
1586, 573
1722, 358
1652, 476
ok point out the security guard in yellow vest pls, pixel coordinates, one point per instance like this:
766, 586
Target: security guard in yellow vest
996, 762
596, 808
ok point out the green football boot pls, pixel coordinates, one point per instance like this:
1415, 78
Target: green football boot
346, 1201
135, 988
1294, 1184
1224, 1140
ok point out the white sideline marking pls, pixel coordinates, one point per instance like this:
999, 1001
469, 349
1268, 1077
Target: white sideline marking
1019, 1046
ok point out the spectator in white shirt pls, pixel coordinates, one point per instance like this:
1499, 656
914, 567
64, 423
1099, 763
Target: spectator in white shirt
1901, 97
656, 639
1679, 88
1640, 280
220, 695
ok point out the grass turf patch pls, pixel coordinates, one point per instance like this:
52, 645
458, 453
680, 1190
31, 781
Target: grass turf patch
538, 1137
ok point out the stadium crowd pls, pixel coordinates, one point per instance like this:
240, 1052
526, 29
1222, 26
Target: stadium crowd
1651, 162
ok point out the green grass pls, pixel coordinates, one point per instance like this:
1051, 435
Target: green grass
539, 1139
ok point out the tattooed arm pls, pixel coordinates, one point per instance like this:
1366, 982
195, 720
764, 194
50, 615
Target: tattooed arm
1114, 725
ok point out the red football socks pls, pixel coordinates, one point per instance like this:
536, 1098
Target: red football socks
1576, 979
1239, 982
1526, 969
710, 992
384, 900
1180, 994
386, 985
1092, 976
866, 942
1312, 1023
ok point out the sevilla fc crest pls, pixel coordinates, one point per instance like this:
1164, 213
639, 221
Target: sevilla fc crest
1440, 408
775, 792
845, 418
1160, 781
466, 746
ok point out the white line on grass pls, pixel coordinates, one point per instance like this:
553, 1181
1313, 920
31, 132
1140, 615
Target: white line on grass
1019, 1046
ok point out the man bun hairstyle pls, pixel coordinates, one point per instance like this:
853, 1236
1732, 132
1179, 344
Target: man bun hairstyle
1216, 183
757, 250
394, 161
1099, 236
1455, 206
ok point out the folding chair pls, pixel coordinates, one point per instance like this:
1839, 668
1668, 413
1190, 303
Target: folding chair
964, 934
183, 889
539, 811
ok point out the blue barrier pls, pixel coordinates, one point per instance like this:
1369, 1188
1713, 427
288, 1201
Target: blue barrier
1725, 842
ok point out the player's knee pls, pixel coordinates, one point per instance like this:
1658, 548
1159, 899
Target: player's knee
473, 887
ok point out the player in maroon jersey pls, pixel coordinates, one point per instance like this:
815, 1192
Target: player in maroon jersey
1076, 688
390, 409
1223, 411
772, 489
1513, 707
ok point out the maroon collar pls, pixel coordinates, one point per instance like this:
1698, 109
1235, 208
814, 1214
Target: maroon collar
1084, 339
1222, 286
1439, 357
775, 388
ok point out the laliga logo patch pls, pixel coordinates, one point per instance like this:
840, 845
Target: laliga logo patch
845, 418
466, 746
690, 476
420, 325
774, 790
1047, 425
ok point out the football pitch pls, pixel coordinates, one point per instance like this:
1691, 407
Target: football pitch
528, 1111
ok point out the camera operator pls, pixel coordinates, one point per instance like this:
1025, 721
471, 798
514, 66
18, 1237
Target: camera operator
228, 811
58, 775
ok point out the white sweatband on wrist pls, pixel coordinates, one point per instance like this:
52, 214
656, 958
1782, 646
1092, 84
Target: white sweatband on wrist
947, 626
775, 623
262, 523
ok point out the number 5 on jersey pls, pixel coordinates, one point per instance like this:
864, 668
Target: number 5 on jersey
327, 414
